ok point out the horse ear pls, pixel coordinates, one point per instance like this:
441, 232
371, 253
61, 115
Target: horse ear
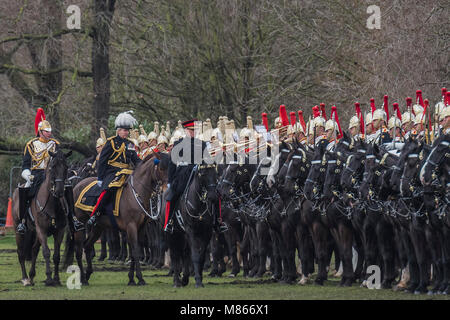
68, 154
346, 138
51, 153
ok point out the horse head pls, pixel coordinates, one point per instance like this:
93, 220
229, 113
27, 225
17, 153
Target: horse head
297, 169
57, 172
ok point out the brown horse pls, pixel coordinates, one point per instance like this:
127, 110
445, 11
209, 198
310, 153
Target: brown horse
49, 219
134, 204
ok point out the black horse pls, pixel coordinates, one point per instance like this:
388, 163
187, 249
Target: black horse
195, 217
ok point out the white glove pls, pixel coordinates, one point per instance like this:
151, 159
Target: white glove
99, 183
168, 185
26, 175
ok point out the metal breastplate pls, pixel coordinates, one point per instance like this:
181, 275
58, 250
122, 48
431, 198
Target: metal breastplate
39, 153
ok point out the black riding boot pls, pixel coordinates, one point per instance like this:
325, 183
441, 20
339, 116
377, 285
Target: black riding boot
23, 207
73, 221
100, 204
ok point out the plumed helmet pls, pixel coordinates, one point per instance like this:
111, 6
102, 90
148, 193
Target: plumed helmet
379, 114
417, 109
439, 107
125, 120
156, 127
142, 138
406, 117
277, 122
45, 126
298, 128
444, 113
152, 136
319, 122
391, 123
354, 122
419, 118
177, 135
331, 125
368, 119
162, 139
102, 140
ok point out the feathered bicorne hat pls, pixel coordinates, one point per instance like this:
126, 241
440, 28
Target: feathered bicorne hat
125, 120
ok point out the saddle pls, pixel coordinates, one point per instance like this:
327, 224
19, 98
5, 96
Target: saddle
89, 195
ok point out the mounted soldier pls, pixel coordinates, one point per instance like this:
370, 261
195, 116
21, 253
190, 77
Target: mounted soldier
114, 164
35, 160
185, 155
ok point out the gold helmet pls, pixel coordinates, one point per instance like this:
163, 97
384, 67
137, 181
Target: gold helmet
45, 126
354, 122
102, 140
142, 138
152, 136
369, 118
391, 123
298, 128
168, 132
406, 117
162, 139
419, 119
418, 109
444, 113
277, 122
379, 114
331, 125
319, 122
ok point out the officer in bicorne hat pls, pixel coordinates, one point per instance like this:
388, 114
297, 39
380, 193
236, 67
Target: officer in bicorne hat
115, 162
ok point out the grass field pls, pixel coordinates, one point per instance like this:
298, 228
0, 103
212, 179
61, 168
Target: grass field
109, 282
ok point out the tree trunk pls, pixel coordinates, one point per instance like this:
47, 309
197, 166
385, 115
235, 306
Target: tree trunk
103, 14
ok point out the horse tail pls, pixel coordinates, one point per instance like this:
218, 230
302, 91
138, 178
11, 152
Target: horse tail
69, 249
29, 239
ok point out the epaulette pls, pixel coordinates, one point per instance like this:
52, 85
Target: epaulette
28, 143
56, 141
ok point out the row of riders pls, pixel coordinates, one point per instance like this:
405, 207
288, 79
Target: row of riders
380, 190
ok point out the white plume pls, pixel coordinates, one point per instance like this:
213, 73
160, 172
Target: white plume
125, 120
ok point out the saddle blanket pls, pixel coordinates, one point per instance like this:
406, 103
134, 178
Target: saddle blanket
89, 195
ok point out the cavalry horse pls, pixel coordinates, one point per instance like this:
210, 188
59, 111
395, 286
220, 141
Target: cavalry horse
194, 216
133, 214
48, 214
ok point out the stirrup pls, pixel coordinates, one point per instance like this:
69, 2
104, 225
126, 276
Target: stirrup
169, 227
92, 221
21, 228
222, 227
78, 225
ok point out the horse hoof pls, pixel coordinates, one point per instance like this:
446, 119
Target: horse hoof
232, 275
199, 285
49, 283
141, 282
131, 283
57, 283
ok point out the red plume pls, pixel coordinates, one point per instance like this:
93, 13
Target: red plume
427, 104
40, 115
283, 116
360, 117
372, 105
357, 109
447, 102
386, 107
265, 121
322, 109
316, 111
409, 104
419, 97
336, 118
444, 91
397, 110
293, 118
302, 121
